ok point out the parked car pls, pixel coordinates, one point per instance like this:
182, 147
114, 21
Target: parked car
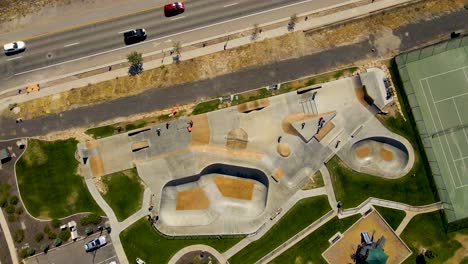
95, 244
14, 47
139, 261
174, 9
134, 36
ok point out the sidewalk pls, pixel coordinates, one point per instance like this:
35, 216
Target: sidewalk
311, 23
8, 238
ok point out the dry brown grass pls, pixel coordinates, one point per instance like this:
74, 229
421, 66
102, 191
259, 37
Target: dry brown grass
250, 106
234, 188
237, 138
193, 199
289, 46
96, 165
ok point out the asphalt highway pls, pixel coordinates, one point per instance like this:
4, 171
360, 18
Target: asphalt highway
104, 37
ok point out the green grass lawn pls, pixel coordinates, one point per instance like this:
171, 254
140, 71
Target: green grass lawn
353, 188
48, 183
142, 241
310, 249
206, 107
427, 231
296, 219
392, 216
123, 182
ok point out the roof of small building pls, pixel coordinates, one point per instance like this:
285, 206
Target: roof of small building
372, 79
4, 154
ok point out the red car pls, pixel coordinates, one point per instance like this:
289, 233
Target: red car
174, 9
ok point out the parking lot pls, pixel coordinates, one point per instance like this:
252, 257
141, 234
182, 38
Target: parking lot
74, 253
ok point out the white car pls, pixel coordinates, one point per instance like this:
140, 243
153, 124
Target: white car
95, 243
14, 47
139, 261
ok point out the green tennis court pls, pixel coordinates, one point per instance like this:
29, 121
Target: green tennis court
435, 79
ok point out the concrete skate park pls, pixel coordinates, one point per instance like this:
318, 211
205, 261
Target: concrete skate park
240, 164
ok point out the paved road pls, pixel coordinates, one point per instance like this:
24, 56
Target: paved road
230, 83
107, 36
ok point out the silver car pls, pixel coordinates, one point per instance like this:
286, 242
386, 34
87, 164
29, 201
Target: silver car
14, 47
95, 243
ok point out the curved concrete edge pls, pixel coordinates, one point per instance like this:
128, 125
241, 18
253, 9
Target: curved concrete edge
411, 155
205, 248
8, 238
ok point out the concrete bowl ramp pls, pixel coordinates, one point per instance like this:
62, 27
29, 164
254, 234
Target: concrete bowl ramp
212, 197
380, 156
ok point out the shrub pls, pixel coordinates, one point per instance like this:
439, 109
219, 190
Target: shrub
38, 237
51, 235
46, 229
57, 242
10, 209
89, 231
24, 253
45, 248
18, 236
55, 223
3, 202
19, 210
11, 218
31, 251
64, 235
90, 219
14, 200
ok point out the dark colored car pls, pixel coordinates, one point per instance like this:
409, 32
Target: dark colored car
174, 9
135, 36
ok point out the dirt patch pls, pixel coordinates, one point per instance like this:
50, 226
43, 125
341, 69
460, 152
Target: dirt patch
200, 130
193, 199
386, 155
341, 251
360, 96
35, 155
363, 152
237, 138
254, 105
289, 46
72, 198
90, 144
234, 188
462, 253
96, 165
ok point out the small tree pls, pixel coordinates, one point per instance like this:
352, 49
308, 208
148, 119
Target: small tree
55, 223
11, 218
18, 236
57, 242
19, 210
64, 235
136, 61
51, 235
39, 236
46, 229
292, 22
45, 248
3, 202
255, 31
10, 209
176, 49
90, 219
14, 200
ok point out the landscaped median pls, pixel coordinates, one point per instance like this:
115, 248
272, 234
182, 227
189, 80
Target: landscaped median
304, 213
48, 181
123, 182
140, 240
393, 217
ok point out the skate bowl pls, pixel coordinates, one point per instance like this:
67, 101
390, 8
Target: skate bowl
380, 156
219, 193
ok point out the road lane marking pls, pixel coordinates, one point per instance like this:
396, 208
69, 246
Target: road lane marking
177, 18
113, 257
121, 32
14, 58
233, 4
168, 36
95, 22
73, 44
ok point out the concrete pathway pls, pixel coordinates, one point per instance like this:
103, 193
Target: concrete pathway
191, 248
298, 237
329, 187
311, 23
117, 226
411, 214
299, 195
8, 238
